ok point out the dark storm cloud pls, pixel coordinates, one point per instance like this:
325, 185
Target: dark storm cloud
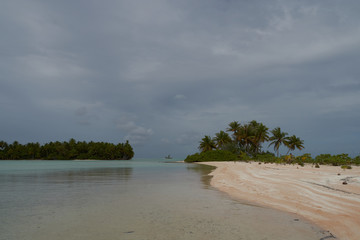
164, 73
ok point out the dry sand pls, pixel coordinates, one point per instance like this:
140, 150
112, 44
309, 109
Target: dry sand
317, 194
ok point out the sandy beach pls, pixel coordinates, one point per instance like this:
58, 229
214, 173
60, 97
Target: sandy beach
317, 194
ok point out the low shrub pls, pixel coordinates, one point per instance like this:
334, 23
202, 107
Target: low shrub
265, 157
342, 160
305, 158
346, 167
211, 156
356, 160
335, 160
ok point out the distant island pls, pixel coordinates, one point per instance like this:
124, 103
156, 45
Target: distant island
71, 150
246, 144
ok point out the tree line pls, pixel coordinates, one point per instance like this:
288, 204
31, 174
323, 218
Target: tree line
249, 138
246, 143
66, 150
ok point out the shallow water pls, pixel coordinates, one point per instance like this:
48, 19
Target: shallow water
138, 199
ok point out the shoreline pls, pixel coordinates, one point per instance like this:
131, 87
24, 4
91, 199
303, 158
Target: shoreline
316, 194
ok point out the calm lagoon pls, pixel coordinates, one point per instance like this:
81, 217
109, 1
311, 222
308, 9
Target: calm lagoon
141, 199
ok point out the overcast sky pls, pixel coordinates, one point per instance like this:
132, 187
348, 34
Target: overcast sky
164, 73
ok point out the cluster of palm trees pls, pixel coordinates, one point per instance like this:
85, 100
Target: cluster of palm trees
249, 138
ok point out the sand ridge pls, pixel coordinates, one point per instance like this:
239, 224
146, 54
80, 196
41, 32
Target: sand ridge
317, 194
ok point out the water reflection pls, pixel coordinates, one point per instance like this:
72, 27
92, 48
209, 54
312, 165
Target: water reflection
69, 176
203, 171
57, 188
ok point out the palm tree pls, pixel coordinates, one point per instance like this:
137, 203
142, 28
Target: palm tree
261, 135
278, 137
3, 145
221, 139
245, 136
294, 142
254, 124
206, 144
233, 127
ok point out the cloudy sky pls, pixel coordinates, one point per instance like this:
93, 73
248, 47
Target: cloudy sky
164, 73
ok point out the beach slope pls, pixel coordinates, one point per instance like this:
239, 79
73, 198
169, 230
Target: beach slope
328, 196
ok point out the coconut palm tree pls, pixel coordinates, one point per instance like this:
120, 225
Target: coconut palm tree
294, 142
233, 127
207, 144
3, 145
245, 136
222, 138
261, 135
278, 137
254, 124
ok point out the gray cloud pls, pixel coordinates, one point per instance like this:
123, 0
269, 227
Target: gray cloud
163, 73
135, 133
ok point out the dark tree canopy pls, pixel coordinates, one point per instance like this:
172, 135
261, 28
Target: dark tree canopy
66, 151
248, 138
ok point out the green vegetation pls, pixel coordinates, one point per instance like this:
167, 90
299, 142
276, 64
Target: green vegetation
248, 138
221, 155
278, 137
207, 144
335, 160
346, 167
216, 155
66, 151
246, 144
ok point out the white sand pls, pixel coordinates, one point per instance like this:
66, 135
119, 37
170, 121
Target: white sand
318, 194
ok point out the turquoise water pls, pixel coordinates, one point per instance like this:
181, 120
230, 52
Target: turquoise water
137, 199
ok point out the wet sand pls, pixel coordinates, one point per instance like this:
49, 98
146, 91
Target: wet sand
317, 194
